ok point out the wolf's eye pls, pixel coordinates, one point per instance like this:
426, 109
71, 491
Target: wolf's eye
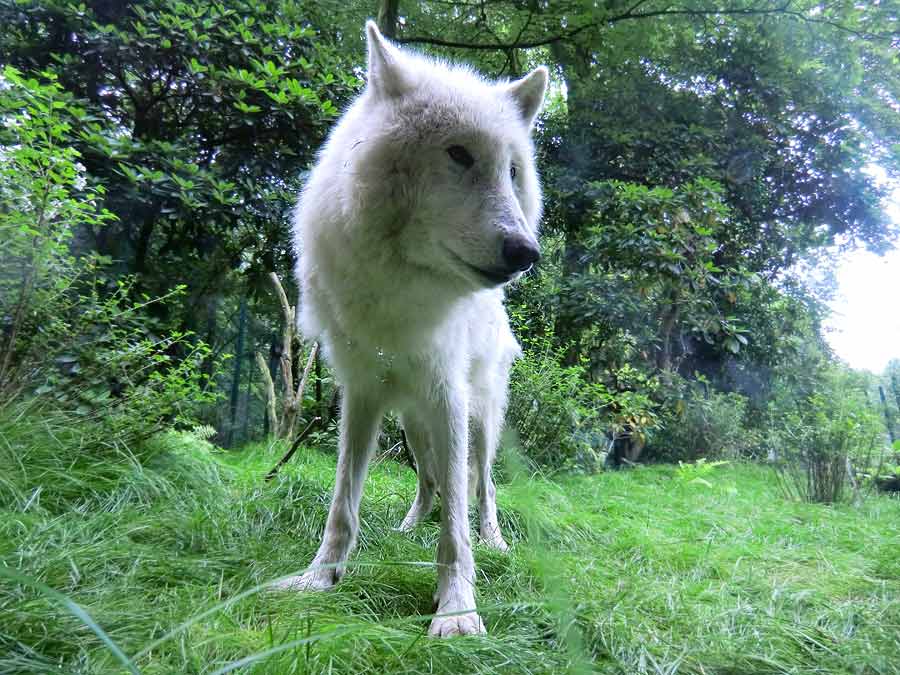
460, 155
512, 172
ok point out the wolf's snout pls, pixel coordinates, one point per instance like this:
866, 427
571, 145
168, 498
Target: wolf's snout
520, 253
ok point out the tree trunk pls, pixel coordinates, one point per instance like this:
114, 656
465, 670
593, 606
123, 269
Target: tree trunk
211, 332
895, 385
248, 396
286, 359
388, 15
669, 320
142, 246
271, 420
294, 400
236, 376
318, 376
887, 413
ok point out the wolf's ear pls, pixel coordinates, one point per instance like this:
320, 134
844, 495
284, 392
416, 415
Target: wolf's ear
529, 93
386, 74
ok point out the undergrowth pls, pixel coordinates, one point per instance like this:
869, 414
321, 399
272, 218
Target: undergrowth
166, 548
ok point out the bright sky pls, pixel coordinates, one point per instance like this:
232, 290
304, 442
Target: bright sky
865, 326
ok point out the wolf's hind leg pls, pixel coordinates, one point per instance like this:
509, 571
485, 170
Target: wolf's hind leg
418, 438
359, 423
485, 437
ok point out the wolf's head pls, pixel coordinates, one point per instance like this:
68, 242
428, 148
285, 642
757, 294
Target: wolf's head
451, 159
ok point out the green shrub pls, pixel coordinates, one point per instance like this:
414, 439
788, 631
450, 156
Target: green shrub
120, 366
44, 203
824, 437
697, 473
703, 423
554, 413
564, 421
81, 344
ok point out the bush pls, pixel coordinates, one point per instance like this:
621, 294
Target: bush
121, 367
555, 414
83, 345
44, 202
823, 438
563, 420
704, 424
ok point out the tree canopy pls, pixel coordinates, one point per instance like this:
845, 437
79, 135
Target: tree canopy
693, 156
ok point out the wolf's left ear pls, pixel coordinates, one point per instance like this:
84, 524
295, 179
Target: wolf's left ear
386, 75
529, 93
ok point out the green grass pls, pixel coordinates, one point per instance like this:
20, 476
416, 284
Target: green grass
639, 571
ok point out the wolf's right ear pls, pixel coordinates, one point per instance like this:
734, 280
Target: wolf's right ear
386, 75
529, 93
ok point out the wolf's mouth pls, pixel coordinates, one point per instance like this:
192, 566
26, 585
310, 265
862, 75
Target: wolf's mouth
492, 277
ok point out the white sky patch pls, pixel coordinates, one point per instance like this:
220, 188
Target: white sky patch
864, 329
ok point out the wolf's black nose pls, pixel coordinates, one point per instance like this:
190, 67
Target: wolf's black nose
520, 253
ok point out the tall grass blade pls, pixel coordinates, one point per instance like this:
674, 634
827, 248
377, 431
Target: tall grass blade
76, 610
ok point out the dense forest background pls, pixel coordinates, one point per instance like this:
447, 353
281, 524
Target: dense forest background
698, 160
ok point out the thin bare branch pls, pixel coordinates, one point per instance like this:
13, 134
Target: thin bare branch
305, 376
286, 308
290, 453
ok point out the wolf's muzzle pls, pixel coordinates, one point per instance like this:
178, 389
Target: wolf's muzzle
519, 252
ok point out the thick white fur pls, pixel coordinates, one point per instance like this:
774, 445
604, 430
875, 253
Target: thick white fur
388, 231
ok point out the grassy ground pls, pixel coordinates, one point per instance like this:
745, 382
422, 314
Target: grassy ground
641, 571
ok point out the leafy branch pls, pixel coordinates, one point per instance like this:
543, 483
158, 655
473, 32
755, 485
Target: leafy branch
632, 13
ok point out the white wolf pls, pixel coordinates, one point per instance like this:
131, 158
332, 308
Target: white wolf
423, 204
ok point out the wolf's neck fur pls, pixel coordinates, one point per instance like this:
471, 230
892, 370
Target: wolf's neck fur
405, 304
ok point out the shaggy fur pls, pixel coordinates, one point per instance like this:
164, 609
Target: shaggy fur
423, 204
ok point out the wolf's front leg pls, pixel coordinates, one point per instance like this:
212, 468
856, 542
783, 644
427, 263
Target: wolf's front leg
360, 417
456, 567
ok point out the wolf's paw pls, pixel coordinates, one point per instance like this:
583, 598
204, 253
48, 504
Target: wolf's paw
458, 624
409, 523
495, 541
313, 580
416, 514
491, 537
